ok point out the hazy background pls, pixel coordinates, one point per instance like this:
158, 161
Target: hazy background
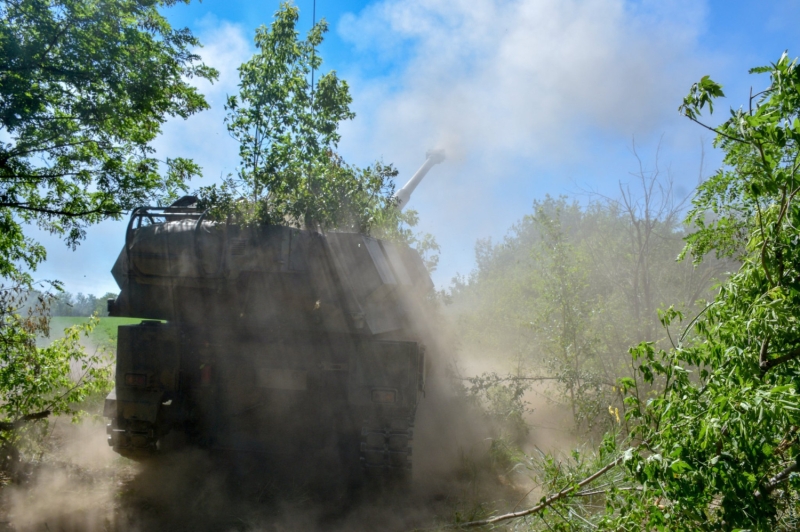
528, 97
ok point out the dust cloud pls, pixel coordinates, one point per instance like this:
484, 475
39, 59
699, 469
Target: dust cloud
71, 486
79, 484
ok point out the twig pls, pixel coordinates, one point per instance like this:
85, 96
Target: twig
762, 355
598, 492
688, 327
523, 498
579, 516
720, 133
550, 500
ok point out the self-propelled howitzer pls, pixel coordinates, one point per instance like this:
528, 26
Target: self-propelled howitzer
266, 338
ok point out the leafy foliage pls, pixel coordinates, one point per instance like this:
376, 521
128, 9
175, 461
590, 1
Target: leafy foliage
714, 419
722, 435
84, 89
85, 86
287, 129
36, 382
283, 124
572, 287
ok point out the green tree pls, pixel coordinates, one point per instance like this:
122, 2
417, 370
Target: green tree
726, 424
84, 88
101, 304
715, 443
573, 286
287, 129
37, 382
562, 320
285, 126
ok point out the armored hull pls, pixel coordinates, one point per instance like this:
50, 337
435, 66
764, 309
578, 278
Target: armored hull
266, 339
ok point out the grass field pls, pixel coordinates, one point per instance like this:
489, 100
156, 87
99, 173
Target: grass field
103, 335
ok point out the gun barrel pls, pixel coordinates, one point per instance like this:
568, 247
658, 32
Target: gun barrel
434, 157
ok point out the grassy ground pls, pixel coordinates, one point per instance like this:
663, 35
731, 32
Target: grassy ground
103, 335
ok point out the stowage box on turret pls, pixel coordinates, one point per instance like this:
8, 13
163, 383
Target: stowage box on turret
265, 339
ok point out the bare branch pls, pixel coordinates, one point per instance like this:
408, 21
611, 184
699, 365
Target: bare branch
599, 492
55, 212
767, 364
17, 423
571, 490
762, 355
776, 481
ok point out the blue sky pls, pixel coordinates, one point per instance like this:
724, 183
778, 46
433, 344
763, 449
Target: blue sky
528, 97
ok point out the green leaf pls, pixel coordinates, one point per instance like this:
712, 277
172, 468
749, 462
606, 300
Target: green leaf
679, 466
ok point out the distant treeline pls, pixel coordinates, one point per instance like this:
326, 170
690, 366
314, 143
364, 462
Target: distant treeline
67, 304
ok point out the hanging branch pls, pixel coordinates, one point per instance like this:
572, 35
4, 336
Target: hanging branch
570, 490
17, 423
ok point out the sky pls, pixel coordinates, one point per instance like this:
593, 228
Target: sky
527, 98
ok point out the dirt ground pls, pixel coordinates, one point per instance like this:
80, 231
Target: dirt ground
80, 484
83, 486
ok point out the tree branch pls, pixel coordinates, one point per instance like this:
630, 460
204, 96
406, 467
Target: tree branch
54, 212
775, 481
600, 492
511, 378
717, 131
571, 490
37, 176
11, 425
764, 244
43, 147
762, 354
767, 364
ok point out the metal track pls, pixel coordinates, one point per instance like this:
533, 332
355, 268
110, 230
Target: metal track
386, 448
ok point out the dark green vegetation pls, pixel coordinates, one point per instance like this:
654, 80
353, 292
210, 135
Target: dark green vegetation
84, 89
708, 433
67, 304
